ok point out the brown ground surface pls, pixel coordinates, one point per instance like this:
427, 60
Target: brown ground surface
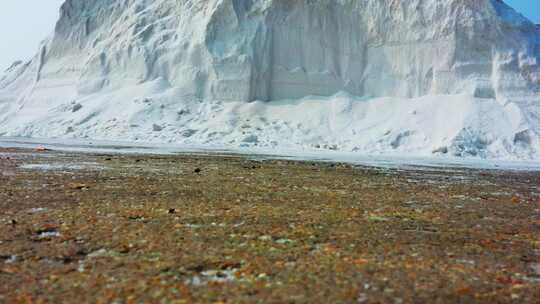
132, 229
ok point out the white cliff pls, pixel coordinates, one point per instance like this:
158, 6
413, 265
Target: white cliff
458, 77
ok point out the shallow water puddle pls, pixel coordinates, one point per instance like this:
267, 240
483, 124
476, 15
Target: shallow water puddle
62, 166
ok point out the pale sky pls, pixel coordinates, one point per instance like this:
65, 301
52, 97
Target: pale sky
24, 23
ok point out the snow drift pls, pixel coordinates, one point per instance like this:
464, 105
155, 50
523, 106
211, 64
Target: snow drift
423, 77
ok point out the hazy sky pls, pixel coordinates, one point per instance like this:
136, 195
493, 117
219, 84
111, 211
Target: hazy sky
24, 23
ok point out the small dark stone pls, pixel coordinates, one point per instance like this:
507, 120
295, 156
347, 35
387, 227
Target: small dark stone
124, 249
221, 275
138, 160
197, 268
108, 158
76, 107
197, 170
13, 222
66, 259
81, 252
5, 257
526, 259
172, 211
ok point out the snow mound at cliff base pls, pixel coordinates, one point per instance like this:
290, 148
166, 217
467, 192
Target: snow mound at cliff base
441, 125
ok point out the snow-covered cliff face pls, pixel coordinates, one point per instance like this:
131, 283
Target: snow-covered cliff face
273, 49
269, 50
